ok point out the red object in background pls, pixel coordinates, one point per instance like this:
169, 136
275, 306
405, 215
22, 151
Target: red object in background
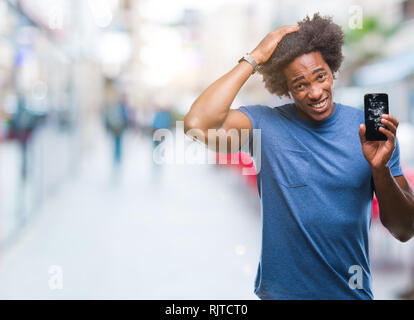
375, 208
245, 161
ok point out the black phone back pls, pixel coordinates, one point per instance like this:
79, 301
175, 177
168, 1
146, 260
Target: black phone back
375, 104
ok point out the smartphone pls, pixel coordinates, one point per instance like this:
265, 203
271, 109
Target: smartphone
375, 105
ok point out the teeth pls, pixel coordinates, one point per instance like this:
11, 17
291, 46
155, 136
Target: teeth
319, 105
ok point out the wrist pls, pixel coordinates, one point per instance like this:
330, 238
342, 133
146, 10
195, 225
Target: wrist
247, 65
257, 57
379, 170
250, 60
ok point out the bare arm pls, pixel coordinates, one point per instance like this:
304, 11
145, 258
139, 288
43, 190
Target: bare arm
396, 203
211, 110
394, 194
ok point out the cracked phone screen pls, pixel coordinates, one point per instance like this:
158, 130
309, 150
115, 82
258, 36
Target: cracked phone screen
375, 106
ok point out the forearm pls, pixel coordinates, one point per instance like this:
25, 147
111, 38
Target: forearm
396, 205
210, 109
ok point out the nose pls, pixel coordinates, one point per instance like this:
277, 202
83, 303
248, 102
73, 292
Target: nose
315, 93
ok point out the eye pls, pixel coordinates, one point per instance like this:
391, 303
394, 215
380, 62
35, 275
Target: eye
321, 76
299, 86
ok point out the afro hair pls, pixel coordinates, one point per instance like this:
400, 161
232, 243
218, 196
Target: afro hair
316, 34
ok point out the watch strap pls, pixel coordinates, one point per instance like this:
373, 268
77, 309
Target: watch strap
247, 57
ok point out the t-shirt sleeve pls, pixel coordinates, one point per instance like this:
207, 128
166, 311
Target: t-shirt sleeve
394, 163
254, 113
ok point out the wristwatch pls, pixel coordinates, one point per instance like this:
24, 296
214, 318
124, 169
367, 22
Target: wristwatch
247, 57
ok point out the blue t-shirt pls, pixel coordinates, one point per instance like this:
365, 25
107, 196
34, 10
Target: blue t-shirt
316, 192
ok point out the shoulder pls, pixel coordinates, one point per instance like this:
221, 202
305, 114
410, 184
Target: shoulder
264, 116
285, 110
257, 108
350, 112
255, 112
266, 110
349, 109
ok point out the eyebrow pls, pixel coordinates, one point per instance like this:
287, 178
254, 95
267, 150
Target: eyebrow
302, 77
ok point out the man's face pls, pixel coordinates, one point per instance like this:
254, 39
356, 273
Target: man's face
309, 79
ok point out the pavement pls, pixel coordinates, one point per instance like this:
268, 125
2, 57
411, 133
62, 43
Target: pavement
182, 232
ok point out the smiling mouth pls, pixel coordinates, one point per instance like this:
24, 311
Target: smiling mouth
319, 105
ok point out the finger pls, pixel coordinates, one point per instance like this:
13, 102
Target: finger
391, 118
388, 133
361, 132
294, 27
289, 29
390, 125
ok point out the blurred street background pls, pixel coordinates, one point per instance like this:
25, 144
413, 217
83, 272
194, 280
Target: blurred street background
86, 210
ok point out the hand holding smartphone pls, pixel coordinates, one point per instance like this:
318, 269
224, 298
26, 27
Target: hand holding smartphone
375, 105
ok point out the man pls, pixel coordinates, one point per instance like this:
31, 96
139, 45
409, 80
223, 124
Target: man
318, 173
